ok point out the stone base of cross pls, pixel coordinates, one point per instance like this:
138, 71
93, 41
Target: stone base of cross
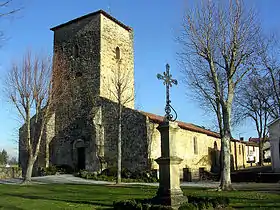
169, 192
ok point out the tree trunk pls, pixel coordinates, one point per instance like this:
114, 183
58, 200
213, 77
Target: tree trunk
225, 174
261, 152
221, 160
119, 144
47, 157
29, 169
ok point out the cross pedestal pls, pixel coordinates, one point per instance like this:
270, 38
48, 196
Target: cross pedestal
169, 192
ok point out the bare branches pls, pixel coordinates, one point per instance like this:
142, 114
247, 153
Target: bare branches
255, 101
271, 66
31, 89
119, 85
219, 46
5, 10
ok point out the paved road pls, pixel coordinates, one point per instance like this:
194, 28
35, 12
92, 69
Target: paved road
70, 179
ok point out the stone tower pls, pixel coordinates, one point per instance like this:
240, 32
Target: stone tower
94, 49
96, 46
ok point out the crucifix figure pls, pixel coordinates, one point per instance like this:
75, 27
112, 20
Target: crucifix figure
168, 81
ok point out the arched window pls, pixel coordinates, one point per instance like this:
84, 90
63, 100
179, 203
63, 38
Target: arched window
79, 74
118, 53
76, 51
195, 149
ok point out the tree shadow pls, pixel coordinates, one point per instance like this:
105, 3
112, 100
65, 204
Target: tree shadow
9, 207
58, 199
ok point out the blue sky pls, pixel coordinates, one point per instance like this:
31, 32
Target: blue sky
156, 24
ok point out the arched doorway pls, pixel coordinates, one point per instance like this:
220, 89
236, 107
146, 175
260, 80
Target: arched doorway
79, 149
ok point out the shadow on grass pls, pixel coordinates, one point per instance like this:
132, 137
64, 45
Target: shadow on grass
58, 199
9, 207
104, 190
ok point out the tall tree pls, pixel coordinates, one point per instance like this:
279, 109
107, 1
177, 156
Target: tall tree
5, 156
29, 86
218, 47
13, 161
119, 86
270, 62
254, 101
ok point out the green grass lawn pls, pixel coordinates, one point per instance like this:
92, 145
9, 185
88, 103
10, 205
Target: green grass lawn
84, 197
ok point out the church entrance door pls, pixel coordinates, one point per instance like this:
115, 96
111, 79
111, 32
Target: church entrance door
81, 158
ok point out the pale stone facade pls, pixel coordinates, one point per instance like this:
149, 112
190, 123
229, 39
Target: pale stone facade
199, 148
83, 128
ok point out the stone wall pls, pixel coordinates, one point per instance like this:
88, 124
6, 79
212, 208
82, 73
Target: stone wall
10, 172
79, 43
89, 48
135, 143
114, 36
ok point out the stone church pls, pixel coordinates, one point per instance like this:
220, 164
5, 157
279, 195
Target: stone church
82, 131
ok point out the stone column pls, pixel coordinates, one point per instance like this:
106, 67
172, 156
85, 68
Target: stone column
169, 192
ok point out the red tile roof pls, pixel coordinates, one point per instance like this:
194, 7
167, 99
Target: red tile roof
191, 127
257, 140
92, 14
187, 126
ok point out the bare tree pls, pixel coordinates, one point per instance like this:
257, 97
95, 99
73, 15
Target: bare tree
119, 87
218, 48
254, 101
30, 88
270, 62
7, 9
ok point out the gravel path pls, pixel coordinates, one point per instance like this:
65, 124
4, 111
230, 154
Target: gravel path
70, 179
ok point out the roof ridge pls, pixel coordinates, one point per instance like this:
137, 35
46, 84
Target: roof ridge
92, 14
183, 125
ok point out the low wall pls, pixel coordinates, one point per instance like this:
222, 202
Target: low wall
10, 172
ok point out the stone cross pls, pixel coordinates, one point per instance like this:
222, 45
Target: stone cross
168, 81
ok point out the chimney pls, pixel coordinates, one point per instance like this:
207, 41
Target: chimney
241, 138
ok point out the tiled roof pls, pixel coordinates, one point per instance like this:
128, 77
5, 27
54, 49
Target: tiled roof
257, 140
254, 140
191, 127
183, 125
92, 14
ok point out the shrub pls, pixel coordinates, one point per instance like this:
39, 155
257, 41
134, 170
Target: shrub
188, 206
126, 173
87, 174
111, 171
66, 169
160, 207
51, 170
208, 203
145, 176
194, 203
109, 174
125, 205
220, 201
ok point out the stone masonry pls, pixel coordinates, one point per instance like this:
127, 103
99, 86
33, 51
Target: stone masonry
82, 130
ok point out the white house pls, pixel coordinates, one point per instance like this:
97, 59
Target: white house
274, 137
266, 150
252, 152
